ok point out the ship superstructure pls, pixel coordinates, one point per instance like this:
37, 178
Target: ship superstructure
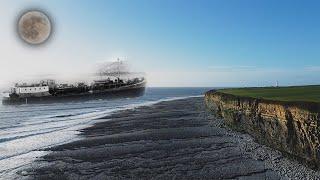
107, 85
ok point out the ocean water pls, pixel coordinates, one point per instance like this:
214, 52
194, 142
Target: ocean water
25, 130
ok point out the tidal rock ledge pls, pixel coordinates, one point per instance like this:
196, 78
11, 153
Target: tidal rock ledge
291, 127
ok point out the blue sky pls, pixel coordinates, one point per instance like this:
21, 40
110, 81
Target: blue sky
180, 42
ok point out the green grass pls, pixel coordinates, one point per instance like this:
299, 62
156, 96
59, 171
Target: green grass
294, 93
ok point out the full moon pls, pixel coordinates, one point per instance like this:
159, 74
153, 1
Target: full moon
34, 27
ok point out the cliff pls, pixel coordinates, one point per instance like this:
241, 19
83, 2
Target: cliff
291, 127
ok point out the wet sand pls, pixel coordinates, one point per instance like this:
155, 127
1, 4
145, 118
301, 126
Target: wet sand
170, 140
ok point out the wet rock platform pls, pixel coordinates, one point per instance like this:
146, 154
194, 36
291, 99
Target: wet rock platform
169, 140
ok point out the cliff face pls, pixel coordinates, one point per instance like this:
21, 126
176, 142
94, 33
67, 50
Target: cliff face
291, 127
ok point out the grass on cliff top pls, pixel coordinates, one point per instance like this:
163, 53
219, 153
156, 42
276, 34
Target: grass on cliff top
294, 93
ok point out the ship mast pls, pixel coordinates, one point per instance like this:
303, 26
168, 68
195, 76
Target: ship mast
118, 68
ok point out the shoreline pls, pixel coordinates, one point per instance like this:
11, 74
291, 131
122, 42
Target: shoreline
156, 140
27, 156
289, 127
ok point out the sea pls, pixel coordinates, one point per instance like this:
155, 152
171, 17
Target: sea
26, 130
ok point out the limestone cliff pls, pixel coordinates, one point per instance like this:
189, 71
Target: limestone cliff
291, 127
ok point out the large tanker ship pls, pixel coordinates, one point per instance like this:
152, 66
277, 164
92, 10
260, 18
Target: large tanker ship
109, 85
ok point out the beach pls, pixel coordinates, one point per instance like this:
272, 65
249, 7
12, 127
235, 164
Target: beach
175, 139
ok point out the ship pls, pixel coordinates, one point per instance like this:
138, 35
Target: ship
109, 85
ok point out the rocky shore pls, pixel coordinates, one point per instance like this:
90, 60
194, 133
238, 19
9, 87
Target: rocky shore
170, 140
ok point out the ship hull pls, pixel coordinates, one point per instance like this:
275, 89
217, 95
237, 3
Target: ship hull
123, 92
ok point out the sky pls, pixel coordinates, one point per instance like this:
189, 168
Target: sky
177, 43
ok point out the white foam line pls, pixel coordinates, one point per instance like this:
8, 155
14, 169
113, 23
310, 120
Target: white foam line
148, 103
87, 119
102, 114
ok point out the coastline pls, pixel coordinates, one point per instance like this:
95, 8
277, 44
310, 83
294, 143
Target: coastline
169, 139
19, 151
288, 126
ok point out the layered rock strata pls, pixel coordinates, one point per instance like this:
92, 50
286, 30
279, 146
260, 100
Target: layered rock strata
291, 127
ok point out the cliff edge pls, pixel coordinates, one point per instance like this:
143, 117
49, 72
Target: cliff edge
291, 127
